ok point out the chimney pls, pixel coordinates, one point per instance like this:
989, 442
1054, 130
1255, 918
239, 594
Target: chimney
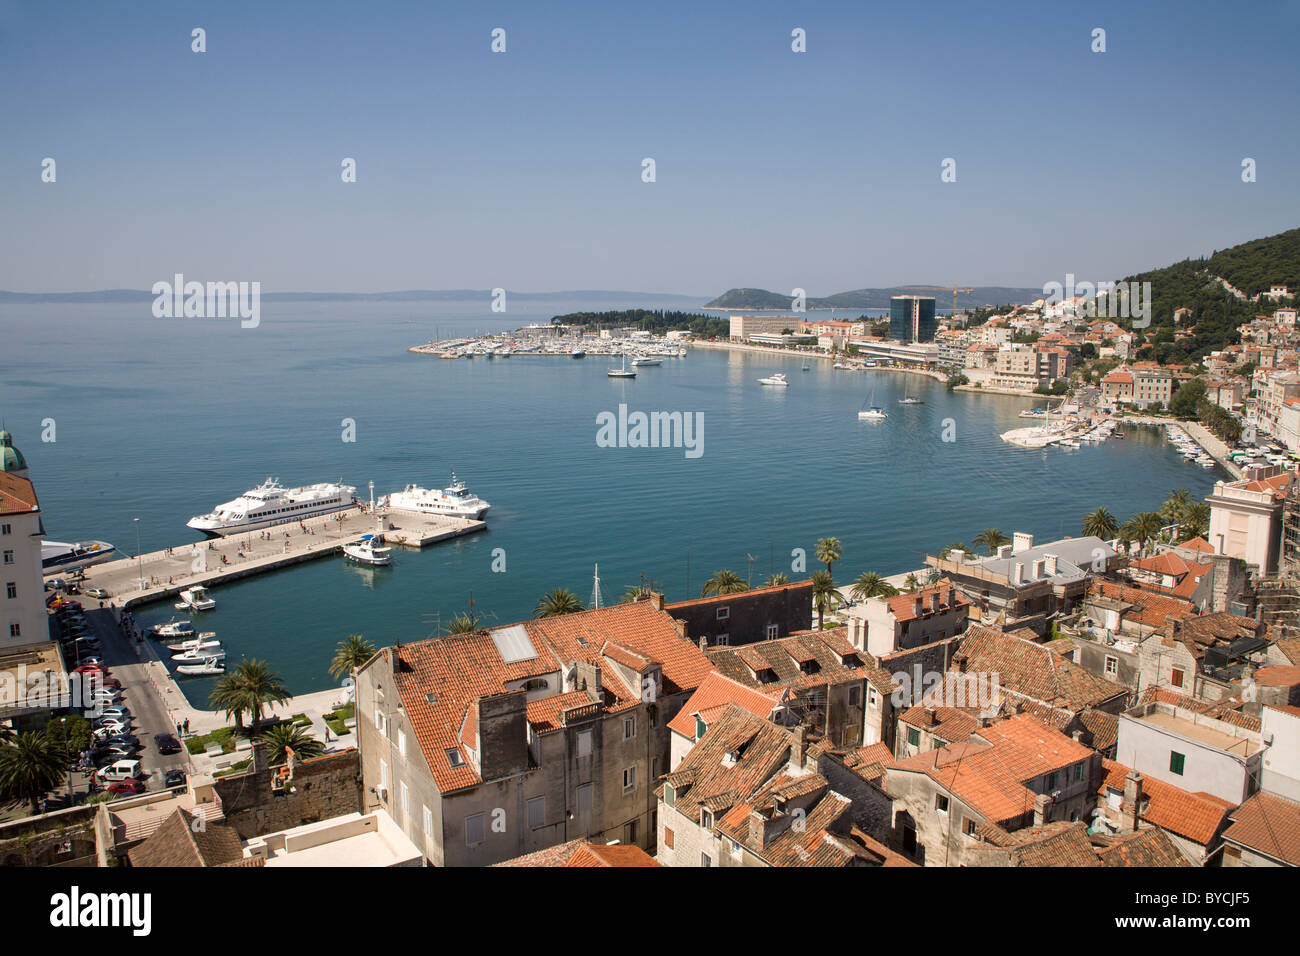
1038, 568
1004, 551
957, 556
1049, 563
680, 627
796, 748
1018, 573
1133, 800
1042, 809
259, 756
503, 733
657, 600
1021, 541
934, 600
704, 642
920, 605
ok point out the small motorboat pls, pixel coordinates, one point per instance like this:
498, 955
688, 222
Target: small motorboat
174, 628
206, 668
646, 360
198, 657
369, 550
204, 645
806, 366
778, 379
577, 353
195, 599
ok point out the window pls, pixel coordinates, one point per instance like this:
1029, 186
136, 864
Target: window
871, 696
941, 803
1051, 781
428, 821
724, 613
1112, 666
15, 630
405, 796
1176, 761
11, 590
629, 833
969, 826
700, 727
379, 722
536, 812
629, 779
706, 860
474, 829
9, 557
1078, 771
722, 640
909, 839
853, 696
454, 758
6, 529
383, 774
401, 742
584, 743
735, 848
773, 632
629, 727
668, 838
584, 798
706, 818
913, 737
1176, 677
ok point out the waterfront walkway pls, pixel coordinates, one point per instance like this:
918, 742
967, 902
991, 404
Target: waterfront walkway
167, 572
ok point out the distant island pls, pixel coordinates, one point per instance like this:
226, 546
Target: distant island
982, 296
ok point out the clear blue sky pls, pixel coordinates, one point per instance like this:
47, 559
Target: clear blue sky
522, 170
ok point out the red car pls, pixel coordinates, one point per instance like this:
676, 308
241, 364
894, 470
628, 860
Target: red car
122, 787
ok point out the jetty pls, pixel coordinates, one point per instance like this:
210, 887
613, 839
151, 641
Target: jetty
161, 574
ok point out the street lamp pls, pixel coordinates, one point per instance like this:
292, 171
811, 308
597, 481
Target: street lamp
139, 560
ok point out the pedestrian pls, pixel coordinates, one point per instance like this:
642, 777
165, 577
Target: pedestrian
187, 725
178, 730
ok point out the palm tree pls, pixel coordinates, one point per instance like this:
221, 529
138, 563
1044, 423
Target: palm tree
825, 595
992, 539
950, 548
635, 593
250, 687
461, 624
350, 655
1196, 521
556, 602
1100, 524
911, 583
870, 584
724, 582
829, 550
293, 736
30, 766
1142, 528
775, 580
1176, 505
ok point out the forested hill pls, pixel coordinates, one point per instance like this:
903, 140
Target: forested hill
1215, 311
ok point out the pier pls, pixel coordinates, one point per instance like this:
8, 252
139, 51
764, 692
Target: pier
218, 560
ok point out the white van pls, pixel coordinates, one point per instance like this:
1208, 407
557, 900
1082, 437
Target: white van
121, 770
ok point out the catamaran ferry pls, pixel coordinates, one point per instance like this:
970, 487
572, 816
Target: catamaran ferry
454, 500
270, 504
57, 556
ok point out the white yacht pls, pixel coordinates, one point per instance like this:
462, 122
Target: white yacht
644, 360
57, 556
207, 666
195, 599
777, 379
198, 656
873, 413
454, 500
369, 550
271, 504
173, 628
207, 641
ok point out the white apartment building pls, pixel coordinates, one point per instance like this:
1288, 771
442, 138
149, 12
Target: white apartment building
23, 620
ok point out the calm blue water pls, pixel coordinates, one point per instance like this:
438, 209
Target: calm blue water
162, 419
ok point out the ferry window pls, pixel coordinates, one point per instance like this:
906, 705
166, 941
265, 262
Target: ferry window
6, 529
9, 557
11, 590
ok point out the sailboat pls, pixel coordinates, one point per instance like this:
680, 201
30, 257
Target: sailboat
873, 413
908, 398
622, 371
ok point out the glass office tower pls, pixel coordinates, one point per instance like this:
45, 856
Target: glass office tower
911, 318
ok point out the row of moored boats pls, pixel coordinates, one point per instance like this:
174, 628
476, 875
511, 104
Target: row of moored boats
1188, 447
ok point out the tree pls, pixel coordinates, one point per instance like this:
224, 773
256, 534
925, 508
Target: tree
1100, 524
870, 584
825, 595
1142, 528
461, 624
71, 734
1196, 521
351, 654
775, 580
557, 602
1175, 507
950, 548
724, 582
635, 593
1187, 400
911, 583
992, 539
829, 550
294, 737
250, 687
30, 766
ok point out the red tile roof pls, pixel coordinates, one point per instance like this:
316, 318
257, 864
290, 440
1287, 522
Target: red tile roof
1268, 824
1195, 816
17, 495
718, 689
1150, 608
903, 606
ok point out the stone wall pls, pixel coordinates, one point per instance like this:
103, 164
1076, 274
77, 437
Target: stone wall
320, 788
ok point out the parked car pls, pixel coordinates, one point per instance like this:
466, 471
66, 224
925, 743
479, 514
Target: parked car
119, 751
121, 770
113, 725
125, 740
90, 667
126, 787
98, 593
166, 743
55, 584
174, 777
116, 710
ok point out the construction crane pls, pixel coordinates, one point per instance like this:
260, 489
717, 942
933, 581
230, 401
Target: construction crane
955, 290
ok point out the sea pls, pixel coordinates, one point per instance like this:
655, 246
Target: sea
122, 415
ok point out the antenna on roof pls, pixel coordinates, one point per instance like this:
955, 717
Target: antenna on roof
595, 589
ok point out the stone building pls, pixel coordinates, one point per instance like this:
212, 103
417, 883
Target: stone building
762, 614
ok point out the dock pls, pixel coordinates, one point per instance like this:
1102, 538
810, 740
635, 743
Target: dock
218, 560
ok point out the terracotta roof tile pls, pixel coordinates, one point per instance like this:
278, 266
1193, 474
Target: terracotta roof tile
718, 689
1196, 817
1268, 824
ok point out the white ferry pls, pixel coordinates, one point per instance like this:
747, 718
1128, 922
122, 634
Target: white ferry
58, 556
454, 500
271, 504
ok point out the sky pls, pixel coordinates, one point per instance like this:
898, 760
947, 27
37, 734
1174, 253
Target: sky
523, 170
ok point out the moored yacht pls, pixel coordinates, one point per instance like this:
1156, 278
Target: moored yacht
777, 379
454, 500
369, 550
271, 504
173, 628
195, 599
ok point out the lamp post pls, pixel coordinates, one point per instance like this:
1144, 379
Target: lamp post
139, 560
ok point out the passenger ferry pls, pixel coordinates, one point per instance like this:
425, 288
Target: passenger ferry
58, 556
271, 504
454, 500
